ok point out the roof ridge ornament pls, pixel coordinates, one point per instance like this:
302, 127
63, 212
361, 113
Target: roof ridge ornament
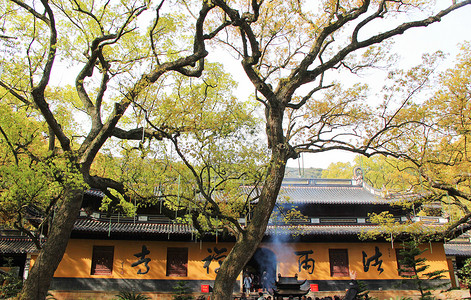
358, 175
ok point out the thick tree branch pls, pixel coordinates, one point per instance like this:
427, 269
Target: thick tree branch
151, 31
138, 134
301, 76
95, 49
38, 91
250, 59
31, 10
89, 149
15, 94
301, 72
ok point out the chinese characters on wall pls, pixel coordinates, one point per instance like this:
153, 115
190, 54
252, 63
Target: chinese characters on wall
308, 264
305, 262
142, 260
374, 258
218, 255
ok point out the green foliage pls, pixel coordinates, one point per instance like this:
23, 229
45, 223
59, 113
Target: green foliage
10, 282
31, 176
380, 172
414, 269
363, 292
304, 173
210, 155
339, 170
134, 72
389, 229
464, 273
124, 295
181, 291
433, 166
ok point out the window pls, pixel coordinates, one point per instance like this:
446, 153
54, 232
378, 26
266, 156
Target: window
102, 260
407, 270
338, 262
177, 262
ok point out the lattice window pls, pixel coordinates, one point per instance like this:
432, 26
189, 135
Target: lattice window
177, 262
102, 260
338, 262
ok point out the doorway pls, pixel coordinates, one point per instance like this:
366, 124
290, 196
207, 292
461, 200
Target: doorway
262, 269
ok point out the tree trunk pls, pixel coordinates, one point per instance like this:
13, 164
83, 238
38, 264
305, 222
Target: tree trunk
247, 243
40, 276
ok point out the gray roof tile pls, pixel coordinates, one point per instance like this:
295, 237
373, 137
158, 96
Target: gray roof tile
92, 225
329, 195
17, 245
318, 229
96, 193
458, 249
100, 226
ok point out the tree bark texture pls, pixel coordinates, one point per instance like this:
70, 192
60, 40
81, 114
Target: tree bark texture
41, 273
250, 239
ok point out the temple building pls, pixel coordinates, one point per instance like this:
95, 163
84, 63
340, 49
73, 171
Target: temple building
150, 254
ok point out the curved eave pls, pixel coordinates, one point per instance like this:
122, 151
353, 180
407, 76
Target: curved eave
458, 249
95, 193
314, 230
92, 225
328, 195
17, 245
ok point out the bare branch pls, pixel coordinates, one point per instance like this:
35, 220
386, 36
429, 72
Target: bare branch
301, 76
33, 12
15, 94
90, 148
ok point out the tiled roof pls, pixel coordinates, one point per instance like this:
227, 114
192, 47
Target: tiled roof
330, 191
96, 193
25, 245
458, 249
93, 225
17, 245
329, 195
318, 229
103, 226
318, 191
311, 191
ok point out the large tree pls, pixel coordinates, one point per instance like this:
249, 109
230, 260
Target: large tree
442, 160
435, 164
428, 159
380, 172
291, 52
114, 61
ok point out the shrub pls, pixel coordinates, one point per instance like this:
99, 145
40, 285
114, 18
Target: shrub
414, 269
464, 273
10, 282
181, 291
123, 295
